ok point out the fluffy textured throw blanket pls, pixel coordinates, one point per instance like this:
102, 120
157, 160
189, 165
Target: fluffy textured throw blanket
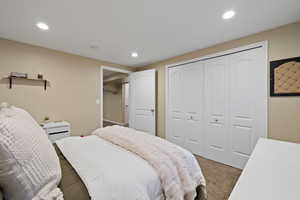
177, 168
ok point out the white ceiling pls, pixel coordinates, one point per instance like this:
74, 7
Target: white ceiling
156, 29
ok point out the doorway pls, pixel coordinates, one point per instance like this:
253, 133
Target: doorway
115, 96
128, 99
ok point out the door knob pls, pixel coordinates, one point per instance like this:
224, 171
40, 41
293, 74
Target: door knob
152, 110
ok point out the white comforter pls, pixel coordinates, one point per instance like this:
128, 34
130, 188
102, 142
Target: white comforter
110, 172
179, 171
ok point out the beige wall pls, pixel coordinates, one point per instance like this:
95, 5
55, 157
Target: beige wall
284, 112
74, 84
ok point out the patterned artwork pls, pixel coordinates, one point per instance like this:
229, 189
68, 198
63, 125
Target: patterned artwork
285, 77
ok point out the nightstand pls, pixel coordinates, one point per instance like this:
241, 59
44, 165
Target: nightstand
57, 130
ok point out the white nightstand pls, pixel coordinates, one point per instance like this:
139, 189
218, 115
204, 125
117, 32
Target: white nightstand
57, 130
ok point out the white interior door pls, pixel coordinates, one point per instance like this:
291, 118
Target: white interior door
175, 106
216, 120
248, 103
142, 101
193, 86
186, 114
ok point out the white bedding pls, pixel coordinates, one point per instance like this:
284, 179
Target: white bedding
29, 166
110, 172
179, 171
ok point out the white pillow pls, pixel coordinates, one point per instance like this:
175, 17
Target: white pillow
29, 166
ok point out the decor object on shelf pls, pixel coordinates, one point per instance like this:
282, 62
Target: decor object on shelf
285, 77
18, 75
40, 76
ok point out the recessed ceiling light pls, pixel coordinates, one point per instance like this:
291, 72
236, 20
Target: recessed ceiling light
134, 54
42, 26
229, 14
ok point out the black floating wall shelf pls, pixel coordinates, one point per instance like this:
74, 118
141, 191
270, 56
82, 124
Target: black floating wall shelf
11, 78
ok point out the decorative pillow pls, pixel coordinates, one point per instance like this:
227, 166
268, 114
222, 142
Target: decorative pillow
29, 166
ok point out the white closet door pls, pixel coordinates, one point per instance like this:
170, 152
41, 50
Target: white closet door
186, 89
216, 79
248, 103
217, 108
193, 103
175, 107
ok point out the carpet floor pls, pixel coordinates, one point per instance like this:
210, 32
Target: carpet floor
220, 178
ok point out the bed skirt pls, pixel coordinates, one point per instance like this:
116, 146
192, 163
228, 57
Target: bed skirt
71, 185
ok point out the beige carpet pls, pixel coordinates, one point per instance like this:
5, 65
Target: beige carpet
220, 178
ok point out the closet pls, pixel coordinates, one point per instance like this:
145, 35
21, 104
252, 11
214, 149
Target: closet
216, 106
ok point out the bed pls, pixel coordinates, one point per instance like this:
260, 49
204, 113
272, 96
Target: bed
123, 174
112, 163
73, 187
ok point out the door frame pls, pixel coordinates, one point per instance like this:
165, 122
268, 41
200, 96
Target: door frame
262, 44
103, 67
124, 94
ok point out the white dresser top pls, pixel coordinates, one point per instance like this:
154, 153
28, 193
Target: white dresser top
272, 173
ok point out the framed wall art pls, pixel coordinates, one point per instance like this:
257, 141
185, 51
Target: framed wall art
285, 77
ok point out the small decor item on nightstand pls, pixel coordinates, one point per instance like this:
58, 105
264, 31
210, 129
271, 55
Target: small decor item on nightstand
57, 130
40, 76
18, 75
46, 119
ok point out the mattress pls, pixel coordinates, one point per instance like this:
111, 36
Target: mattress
73, 187
110, 172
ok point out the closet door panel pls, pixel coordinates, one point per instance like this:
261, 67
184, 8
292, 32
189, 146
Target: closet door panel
247, 95
193, 98
216, 76
176, 116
